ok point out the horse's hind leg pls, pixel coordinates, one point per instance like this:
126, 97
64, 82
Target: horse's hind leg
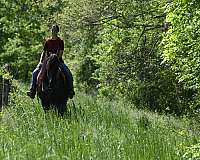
62, 109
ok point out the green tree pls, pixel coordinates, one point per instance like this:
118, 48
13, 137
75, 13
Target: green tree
181, 44
23, 26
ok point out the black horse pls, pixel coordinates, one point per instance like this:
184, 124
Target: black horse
54, 89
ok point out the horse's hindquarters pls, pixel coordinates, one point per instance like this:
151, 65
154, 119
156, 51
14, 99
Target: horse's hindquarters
54, 86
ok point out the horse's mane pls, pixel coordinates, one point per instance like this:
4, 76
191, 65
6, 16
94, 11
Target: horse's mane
53, 61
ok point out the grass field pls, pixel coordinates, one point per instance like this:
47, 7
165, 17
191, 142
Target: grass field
93, 129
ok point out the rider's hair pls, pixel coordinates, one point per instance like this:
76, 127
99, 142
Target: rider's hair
56, 26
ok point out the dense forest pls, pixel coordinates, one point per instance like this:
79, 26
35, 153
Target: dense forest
144, 51
128, 58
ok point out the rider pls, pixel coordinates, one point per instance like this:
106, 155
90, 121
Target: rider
53, 45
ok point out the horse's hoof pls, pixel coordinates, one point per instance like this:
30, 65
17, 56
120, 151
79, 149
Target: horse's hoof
30, 94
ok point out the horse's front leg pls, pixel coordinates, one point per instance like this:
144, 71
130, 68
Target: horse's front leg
45, 102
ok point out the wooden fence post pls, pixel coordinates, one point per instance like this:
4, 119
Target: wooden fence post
4, 92
1, 92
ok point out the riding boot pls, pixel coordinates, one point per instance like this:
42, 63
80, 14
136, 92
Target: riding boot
31, 93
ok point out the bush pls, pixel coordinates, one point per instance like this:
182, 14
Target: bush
192, 152
84, 74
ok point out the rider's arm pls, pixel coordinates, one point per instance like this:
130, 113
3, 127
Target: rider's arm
43, 55
60, 53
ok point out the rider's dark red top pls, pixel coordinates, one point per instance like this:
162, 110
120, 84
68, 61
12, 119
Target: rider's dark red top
54, 45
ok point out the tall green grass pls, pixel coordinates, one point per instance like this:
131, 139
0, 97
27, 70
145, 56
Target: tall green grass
93, 129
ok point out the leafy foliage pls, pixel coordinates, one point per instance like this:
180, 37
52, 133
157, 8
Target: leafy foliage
23, 33
124, 42
181, 44
143, 51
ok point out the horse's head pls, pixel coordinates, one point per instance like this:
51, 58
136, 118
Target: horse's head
52, 68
